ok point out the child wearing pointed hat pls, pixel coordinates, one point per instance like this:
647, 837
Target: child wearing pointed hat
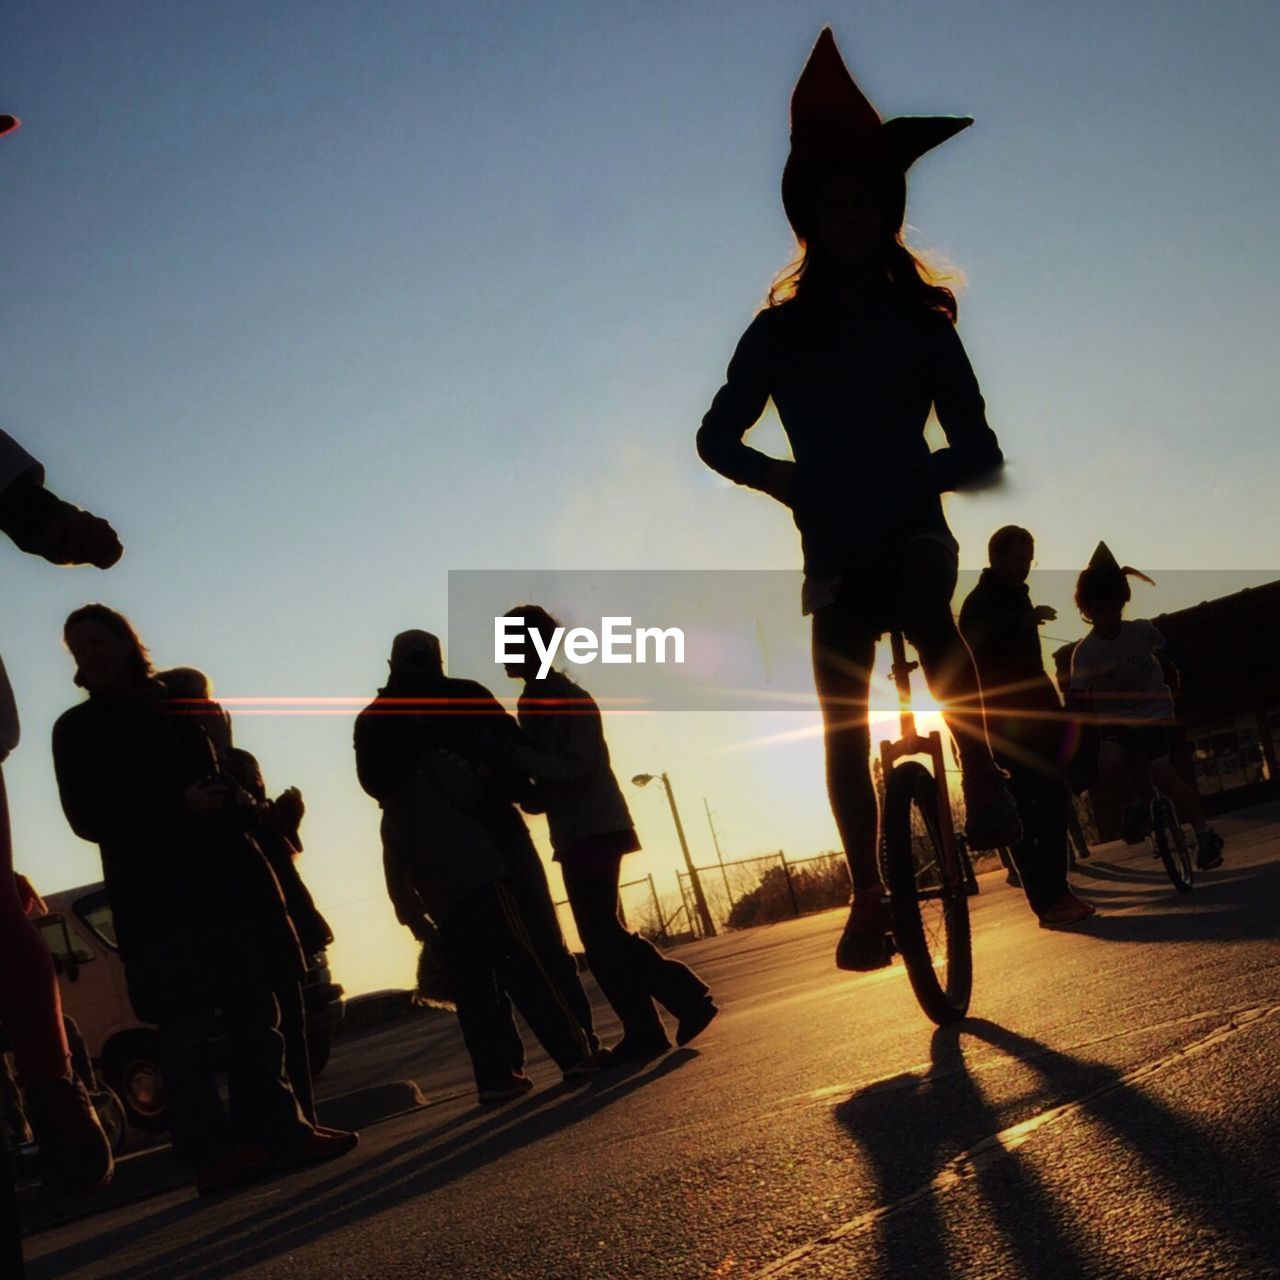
856, 347
1116, 673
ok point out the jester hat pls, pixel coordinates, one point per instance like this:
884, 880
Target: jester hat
1105, 578
1104, 560
834, 127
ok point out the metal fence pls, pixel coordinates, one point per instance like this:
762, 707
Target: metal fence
754, 891
640, 909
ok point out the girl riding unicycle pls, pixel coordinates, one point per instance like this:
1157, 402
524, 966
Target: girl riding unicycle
855, 348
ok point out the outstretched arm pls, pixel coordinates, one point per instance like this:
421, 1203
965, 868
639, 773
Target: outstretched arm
40, 522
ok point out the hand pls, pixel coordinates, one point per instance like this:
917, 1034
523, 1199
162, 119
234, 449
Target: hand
1044, 613
32, 903
779, 481
206, 798
79, 537
288, 806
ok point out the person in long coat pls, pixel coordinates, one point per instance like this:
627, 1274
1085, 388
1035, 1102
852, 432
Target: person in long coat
199, 916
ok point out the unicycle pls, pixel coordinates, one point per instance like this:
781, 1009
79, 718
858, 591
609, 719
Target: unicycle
922, 863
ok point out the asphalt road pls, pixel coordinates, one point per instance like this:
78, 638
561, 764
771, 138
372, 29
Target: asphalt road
1111, 1109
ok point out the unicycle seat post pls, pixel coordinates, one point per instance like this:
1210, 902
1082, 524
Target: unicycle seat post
901, 671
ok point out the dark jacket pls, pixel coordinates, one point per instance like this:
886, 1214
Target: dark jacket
854, 395
280, 847
569, 758
197, 909
403, 723
1023, 710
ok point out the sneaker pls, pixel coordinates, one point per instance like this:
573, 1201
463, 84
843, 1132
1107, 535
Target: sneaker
992, 817
315, 1147
864, 944
637, 1049
516, 1087
245, 1163
1068, 910
589, 1066
697, 1020
1135, 822
74, 1153
1209, 854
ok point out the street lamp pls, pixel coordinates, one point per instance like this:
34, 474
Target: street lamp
704, 912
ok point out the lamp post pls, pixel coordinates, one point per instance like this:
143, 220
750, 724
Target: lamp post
704, 912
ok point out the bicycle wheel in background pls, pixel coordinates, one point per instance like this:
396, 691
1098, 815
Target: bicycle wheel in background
927, 895
1171, 843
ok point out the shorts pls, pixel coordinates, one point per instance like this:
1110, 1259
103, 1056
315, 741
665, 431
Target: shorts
915, 585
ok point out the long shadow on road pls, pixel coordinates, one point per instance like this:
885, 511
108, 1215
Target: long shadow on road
927, 1134
418, 1165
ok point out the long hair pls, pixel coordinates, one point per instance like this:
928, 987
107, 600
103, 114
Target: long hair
903, 269
901, 266
120, 626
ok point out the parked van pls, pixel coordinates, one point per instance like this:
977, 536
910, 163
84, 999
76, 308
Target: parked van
80, 933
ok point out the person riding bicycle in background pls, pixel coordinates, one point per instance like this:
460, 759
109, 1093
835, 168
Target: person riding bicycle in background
1116, 672
856, 346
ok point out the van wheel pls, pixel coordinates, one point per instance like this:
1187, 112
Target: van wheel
131, 1065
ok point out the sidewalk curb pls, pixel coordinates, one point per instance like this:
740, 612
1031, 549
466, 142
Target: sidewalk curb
154, 1172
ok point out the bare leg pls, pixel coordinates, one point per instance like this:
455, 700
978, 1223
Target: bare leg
843, 651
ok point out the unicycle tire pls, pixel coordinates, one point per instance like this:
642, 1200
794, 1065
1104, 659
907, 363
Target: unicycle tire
1171, 844
927, 894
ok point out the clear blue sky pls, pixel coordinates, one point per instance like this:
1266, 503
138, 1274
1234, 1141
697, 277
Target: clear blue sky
320, 300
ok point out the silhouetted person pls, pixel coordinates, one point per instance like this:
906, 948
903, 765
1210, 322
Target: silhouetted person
1029, 732
73, 1149
276, 834
857, 346
1116, 674
591, 831
443, 862
199, 917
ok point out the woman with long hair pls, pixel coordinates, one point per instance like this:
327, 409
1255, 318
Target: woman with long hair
199, 916
856, 346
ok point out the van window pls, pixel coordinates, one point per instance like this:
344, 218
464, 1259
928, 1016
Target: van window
67, 946
95, 910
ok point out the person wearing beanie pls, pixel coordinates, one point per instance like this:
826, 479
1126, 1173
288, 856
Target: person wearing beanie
856, 347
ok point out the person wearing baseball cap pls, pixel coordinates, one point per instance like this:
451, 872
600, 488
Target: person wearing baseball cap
462, 870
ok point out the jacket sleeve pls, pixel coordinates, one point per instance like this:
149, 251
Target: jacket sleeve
972, 457
567, 745
10, 729
101, 797
375, 756
27, 508
736, 408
